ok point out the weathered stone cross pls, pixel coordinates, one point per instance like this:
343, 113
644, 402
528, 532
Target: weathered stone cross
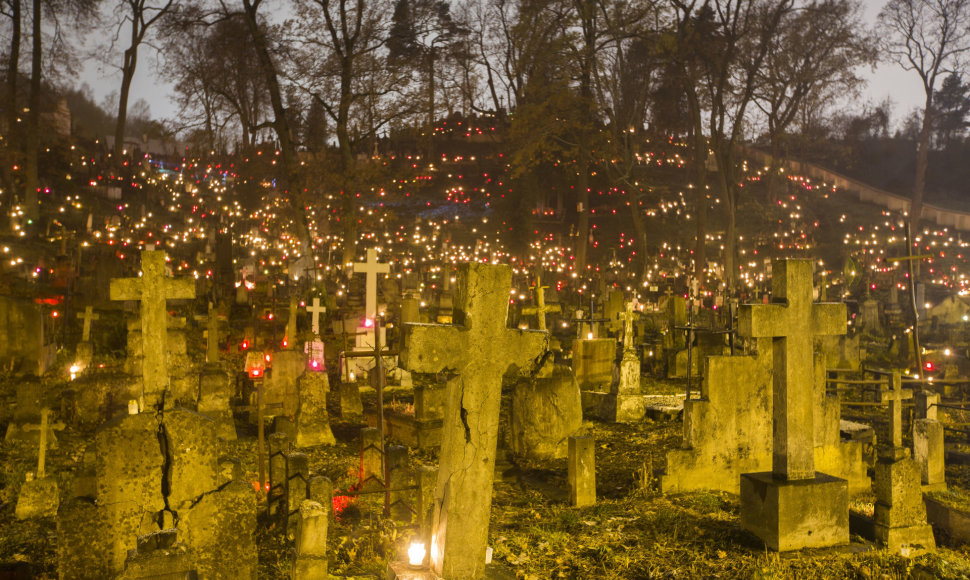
480, 349
87, 316
628, 315
153, 289
896, 395
211, 333
793, 321
42, 446
371, 268
541, 308
315, 310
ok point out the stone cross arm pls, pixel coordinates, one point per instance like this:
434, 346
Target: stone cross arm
546, 308
777, 320
132, 288
432, 348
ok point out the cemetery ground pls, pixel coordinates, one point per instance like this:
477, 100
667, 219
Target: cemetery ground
631, 532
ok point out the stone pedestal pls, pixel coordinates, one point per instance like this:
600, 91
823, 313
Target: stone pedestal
546, 411
215, 391
629, 401
312, 419
311, 541
582, 471
351, 407
791, 515
38, 499
593, 363
900, 513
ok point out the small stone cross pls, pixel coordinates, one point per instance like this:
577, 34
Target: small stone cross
627, 317
541, 308
371, 268
792, 321
212, 334
895, 396
153, 289
42, 446
315, 310
87, 316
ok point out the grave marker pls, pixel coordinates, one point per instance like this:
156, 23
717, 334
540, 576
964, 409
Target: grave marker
371, 268
87, 316
541, 308
315, 310
480, 349
153, 289
773, 504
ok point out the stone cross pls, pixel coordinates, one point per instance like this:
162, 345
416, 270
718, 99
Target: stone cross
792, 321
291, 322
479, 350
627, 316
87, 316
895, 396
541, 308
371, 268
153, 289
212, 334
315, 310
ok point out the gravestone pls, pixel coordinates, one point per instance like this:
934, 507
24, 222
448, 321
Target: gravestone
315, 310
792, 506
546, 411
628, 404
312, 419
219, 531
311, 542
38, 494
153, 289
593, 363
280, 386
582, 471
900, 514
928, 448
215, 392
480, 349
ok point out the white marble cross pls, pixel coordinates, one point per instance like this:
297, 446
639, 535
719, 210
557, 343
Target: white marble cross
371, 268
315, 310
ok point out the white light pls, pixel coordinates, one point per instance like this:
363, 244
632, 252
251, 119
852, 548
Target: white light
416, 553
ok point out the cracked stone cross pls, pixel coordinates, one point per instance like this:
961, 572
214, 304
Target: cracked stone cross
479, 349
153, 289
87, 316
371, 268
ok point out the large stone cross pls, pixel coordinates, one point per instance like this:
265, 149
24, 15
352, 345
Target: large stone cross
792, 321
153, 289
87, 316
371, 268
315, 310
479, 349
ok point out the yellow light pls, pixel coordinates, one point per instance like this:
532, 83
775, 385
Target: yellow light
416, 553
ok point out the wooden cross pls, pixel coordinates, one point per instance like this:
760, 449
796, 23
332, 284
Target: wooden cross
153, 289
87, 316
895, 396
792, 321
480, 349
371, 268
315, 310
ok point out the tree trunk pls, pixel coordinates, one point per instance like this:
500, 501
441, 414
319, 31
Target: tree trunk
127, 75
730, 193
31, 182
431, 105
343, 117
640, 226
700, 187
13, 71
582, 185
922, 161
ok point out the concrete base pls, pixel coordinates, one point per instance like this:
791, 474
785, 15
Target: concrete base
402, 571
791, 515
954, 523
907, 541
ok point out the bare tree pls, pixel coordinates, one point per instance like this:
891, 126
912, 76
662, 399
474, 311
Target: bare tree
139, 16
931, 38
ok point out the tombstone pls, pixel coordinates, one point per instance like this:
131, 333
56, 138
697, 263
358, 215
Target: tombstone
311, 542
158, 555
582, 471
613, 310
900, 514
371, 268
628, 404
869, 317
593, 363
546, 411
351, 406
410, 310
297, 488
153, 289
281, 384
371, 459
215, 392
192, 456
480, 349
38, 494
312, 419
84, 541
398, 480
928, 448
775, 504
219, 532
